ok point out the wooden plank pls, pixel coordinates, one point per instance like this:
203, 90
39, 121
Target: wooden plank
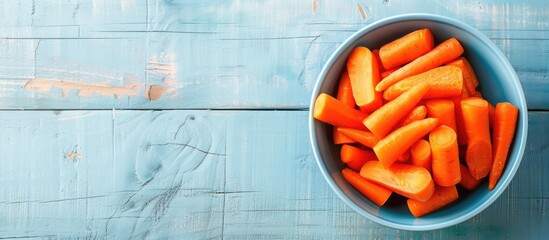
205, 54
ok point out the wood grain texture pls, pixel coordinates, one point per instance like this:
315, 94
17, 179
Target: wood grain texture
210, 54
209, 174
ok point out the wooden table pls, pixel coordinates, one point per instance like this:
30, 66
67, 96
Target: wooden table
188, 119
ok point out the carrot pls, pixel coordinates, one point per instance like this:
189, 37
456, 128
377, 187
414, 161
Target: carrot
470, 81
330, 110
445, 156
407, 48
460, 126
444, 82
479, 147
443, 110
441, 54
418, 113
363, 137
400, 140
404, 179
442, 196
345, 95
491, 113
370, 190
381, 121
340, 138
364, 75
505, 120
404, 158
375, 52
421, 154
467, 180
386, 73
355, 157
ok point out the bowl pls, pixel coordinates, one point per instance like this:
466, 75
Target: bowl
498, 83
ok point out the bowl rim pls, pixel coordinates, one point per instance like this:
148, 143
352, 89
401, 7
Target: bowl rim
523, 119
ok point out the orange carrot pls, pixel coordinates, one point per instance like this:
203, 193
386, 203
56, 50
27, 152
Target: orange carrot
460, 126
330, 110
479, 147
444, 82
340, 138
491, 113
441, 54
345, 95
400, 140
370, 190
470, 81
505, 120
407, 180
443, 110
386, 73
375, 52
363, 137
421, 154
418, 113
386, 117
407, 48
441, 197
467, 180
404, 158
355, 157
445, 156
364, 75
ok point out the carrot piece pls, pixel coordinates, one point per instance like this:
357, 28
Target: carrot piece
407, 48
443, 110
407, 180
467, 180
330, 110
421, 154
441, 54
355, 157
505, 120
444, 82
375, 52
491, 113
470, 81
418, 113
340, 138
460, 126
400, 140
364, 75
442, 196
445, 155
386, 73
363, 137
479, 147
370, 190
345, 95
404, 158
381, 121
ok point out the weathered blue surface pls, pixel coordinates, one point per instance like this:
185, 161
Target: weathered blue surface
71, 167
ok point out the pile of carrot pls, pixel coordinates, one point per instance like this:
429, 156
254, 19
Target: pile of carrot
401, 115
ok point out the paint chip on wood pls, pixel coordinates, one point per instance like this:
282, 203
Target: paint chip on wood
315, 6
361, 11
83, 89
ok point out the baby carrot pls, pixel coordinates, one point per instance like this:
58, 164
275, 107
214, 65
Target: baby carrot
444, 82
375, 52
418, 113
407, 48
330, 110
370, 190
421, 154
441, 54
400, 140
363, 137
445, 156
355, 157
364, 75
491, 113
386, 73
441, 197
460, 126
470, 81
345, 95
407, 180
404, 158
382, 121
443, 110
340, 138
467, 180
505, 120
479, 147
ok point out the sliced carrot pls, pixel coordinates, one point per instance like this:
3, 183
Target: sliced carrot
479, 147
421, 154
441, 54
355, 157
407, 48
444, 82
365, 138
330, 110
364, 75
445, 155
443, 110
470, 82
382, 121
407, 180
340, 138
400, 140
505, 120
467, 180
418, 113
370, 190
442, 196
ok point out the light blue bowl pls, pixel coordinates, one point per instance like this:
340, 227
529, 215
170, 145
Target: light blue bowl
498, 83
